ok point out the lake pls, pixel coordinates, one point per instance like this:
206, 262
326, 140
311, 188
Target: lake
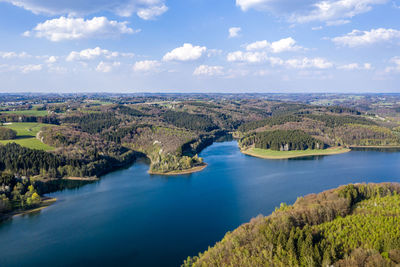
131, 218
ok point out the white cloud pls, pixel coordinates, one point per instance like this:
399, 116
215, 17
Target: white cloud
187, 52
107, 66
64, 28
9, 55
337, 22
57, 69
146, 9
205, 70
51, 60
295, 63
360, 38
317, 28
283, 45
30, 68
234, 32
307, 63
146, 65
355, 66
367, 66
249, 57
396, 63
152, 12
311, 10
89, 54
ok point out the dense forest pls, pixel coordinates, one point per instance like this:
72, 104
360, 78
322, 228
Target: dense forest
189, 121
282, 140
354, 225
16, 193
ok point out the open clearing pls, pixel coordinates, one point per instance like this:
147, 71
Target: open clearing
26, 135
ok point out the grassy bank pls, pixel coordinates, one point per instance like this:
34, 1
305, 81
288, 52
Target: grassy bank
182, 172
272, 154
26, 135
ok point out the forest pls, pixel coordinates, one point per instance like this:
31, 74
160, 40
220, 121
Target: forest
189, 121
47, 137
282, 140
353, 225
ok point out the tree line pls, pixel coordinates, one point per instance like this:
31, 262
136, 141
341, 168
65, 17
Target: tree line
281, 140
26, 118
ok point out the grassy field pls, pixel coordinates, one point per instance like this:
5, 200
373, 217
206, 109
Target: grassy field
26, 135
30, 112
272, 154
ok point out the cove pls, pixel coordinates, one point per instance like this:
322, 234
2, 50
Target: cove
132, 218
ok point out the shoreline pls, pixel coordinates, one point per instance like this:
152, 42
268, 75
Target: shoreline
46, 202
182, 172
81, 179
383, 147
334, 151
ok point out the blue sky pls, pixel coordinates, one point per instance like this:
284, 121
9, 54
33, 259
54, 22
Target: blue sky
242, 46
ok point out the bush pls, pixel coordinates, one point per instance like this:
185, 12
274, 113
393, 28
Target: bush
7, 134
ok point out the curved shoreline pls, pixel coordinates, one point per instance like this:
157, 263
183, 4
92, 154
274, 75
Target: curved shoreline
188, 171
334, 151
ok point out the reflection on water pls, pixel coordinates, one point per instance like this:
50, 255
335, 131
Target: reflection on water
378, 149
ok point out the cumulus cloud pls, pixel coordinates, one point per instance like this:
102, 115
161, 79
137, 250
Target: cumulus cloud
355, 66
51, 60
311, 10
360, 38
234, 32
146, 65
89, 54
107, 66
262, 57
64, 28
283, 45
187, 52
206, 70
145, 9
152, 12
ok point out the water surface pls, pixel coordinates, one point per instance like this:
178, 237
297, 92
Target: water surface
133, 219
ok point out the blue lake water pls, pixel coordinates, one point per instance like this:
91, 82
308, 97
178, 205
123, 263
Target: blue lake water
131, 218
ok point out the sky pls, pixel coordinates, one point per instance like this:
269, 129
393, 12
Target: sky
238, 46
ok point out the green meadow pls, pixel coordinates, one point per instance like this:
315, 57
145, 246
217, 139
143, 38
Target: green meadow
26, 135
